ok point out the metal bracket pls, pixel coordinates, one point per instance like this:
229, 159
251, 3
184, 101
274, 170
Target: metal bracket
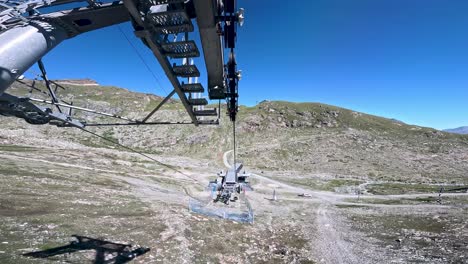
159, 106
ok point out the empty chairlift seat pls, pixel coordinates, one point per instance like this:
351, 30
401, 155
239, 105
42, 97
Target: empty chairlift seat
164, 2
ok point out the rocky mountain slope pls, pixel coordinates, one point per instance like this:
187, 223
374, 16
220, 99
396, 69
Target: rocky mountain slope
309, 138
372, 183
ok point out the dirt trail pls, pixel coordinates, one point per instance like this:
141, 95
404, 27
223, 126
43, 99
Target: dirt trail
144, 187
76, 166
337, 198
68, 165
330, 242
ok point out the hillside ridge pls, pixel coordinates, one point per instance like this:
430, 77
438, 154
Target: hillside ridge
311, 138
459, 130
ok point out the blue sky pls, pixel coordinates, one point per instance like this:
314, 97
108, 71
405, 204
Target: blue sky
403, 59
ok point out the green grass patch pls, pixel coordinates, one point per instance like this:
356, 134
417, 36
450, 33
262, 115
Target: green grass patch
17, 148
324, 185
344, 206
400, 188
418, 200
395, 223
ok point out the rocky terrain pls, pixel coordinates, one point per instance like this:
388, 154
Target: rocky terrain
373, 182
80, 82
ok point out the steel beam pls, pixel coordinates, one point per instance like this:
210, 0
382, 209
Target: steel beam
81, 109
22, 46
159, 106
164, 62
150, 39
202, 122
212, 47
87, 19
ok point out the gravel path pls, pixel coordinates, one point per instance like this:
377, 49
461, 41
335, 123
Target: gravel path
330, 241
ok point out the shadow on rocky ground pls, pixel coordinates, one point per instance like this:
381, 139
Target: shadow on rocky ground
106, 251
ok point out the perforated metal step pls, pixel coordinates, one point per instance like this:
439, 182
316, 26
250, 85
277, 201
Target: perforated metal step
180, 49
197, 101
170, 22
206, 112
208, 122
186, 71
192, 88
152, 3
163, 2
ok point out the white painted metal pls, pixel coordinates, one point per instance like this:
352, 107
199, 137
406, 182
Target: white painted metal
21, 47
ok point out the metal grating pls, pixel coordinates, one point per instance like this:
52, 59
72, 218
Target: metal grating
242, 212
198, 101
206, 112
186, 71
171, 22
180, 49
163, 2
208, 122
192, 88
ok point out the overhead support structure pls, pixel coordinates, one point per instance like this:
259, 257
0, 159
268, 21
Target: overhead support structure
23, 45
27, 34
164, 62
48, 85
159, 106
217, 22
26, 46
211, 39
200, 123
158, 24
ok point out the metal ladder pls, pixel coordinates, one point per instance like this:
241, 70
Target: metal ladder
164, 19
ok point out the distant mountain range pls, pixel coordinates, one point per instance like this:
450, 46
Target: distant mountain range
460, 130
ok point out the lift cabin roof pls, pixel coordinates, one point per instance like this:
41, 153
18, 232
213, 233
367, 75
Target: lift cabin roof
231, 174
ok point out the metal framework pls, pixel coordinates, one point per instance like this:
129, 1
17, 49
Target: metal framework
25, 102
26, 35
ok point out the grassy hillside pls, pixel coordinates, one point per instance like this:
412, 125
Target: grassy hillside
317, 140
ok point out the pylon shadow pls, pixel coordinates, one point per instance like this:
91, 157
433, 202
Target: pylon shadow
121, 253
